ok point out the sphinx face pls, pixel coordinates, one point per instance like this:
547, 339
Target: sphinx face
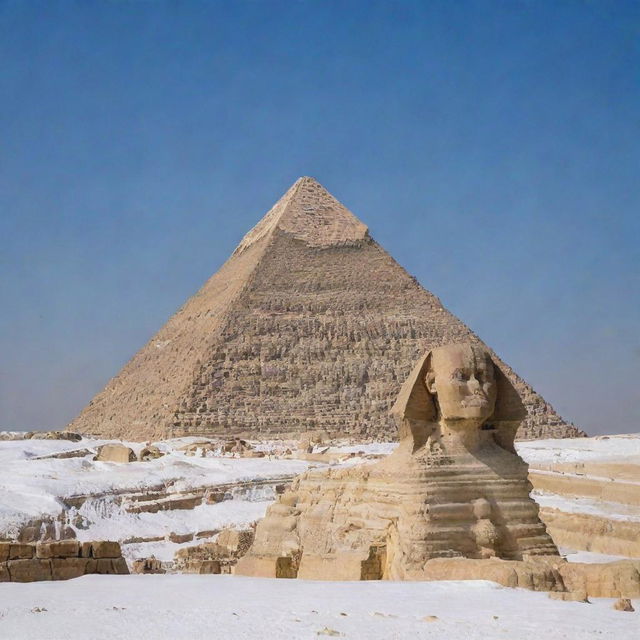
462, 379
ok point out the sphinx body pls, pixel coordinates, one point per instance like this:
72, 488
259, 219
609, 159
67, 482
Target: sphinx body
454, 487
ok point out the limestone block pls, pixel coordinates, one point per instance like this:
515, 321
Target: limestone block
593, 533
266, 567
29, 570
85, 549
607, 580
4, 572
149, 453
119, 567
147, 565
207, 566
103, 566
569, 596
21, 551
105, 549
166, 504
58, 549
180, 538
502, 572
115, 453
4, 551
623, 604
67, 568
342, 566
235, 541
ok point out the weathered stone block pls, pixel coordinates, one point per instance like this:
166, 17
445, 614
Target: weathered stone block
58, 549
149, 453
213, 497
4, 572
147, 565
119, 567
105, 549
206, 566
21, 551
235, 541
67, 568
266, 567
115, 453
4, 551
29, 570
104, 566
179, 538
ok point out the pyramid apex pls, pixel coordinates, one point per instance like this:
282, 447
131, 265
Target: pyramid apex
308, 212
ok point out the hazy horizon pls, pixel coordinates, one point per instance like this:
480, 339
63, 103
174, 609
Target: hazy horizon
492, 149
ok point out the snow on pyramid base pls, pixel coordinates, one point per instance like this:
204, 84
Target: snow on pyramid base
309, 325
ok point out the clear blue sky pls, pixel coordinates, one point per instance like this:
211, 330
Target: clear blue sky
492, 147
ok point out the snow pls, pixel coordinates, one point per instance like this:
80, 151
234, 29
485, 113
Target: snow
596, 449
157, 607
375, 448
589, 557
209, 606
32, 487
600, 508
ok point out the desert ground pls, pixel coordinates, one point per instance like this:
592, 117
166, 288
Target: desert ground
195, 489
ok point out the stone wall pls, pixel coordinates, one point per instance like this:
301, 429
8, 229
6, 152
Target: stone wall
59, 560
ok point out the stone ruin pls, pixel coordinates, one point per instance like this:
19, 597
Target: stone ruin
451, 502
309, 325
60, 560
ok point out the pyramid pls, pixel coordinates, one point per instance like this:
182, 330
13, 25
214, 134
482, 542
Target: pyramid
309, 325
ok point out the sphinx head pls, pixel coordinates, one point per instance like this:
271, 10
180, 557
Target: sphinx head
461, 380
457, 390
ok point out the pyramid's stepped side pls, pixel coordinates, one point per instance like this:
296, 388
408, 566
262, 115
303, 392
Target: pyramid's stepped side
323, 339
309, 325
139, 403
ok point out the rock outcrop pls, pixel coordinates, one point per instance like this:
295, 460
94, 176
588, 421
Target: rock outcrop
59, 560
310, 325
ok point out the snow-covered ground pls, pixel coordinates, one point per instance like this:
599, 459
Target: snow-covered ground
33, 486
613, 452
595, 449
158, 607
208, 606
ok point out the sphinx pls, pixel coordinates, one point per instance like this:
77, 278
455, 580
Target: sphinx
453, 488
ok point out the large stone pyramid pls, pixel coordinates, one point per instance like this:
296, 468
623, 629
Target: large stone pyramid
309, 325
